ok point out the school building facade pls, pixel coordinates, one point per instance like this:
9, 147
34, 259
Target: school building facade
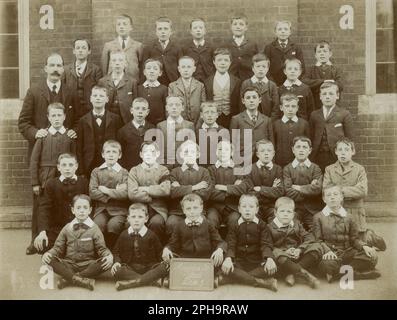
361, 32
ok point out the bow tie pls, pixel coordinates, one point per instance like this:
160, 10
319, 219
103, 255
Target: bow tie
98, 116
80, 225
134, 234
193, 224
69, 181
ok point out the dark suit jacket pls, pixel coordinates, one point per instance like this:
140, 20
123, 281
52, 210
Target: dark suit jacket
91, 77
338, 124
124, 94
168, 57
203, 57
86, 140
33, 115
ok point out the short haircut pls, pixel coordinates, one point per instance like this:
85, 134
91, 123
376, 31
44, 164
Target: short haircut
112, 144
250, 88
159, 63
248, 195
263, 142
239, 17
196, 20
53, 54
282, 22
210, 104
260, 57
175, 96
186, 58
327, 85
346, 141
139, 100
223, 51
124, 16
149, 143
118, 51
331, 187
67, 155
191, 197
138, 206
293, 60
55, 106
164, 19
303, 139
80, 196
100, 87
82, 39
288, 97
283, 200
321, 44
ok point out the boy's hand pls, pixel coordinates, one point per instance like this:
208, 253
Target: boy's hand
200, 185
290, 252
330, 256
36, 190
175, 184
144, 189
227, 266
71, 134
270, 267
107, 262
41, 133
257, 188
115, 267
217, 255
167, 254
238, 181
276, 182
296, 187
296, 254
314, 182
370, 252
221, 187
121, 187
103, 189
46, 258
38, 241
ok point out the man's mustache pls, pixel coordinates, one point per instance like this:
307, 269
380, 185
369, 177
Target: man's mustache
55, 73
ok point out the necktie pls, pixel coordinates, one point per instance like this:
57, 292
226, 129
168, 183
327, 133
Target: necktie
283, 44
163, 44
123, 44
79, 71
193, 224
80, 225
328, 111
54, 89
254, 117
69, 181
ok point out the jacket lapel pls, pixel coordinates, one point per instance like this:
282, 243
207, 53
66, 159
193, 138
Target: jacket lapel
45, 91
233, 83
88, 70
193, 85
260, 119
180, 86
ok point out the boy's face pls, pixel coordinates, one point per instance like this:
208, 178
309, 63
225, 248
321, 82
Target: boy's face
290, 108
282, 31
111, 155
301, 150
152, 71
56, 118
81, 50
123, 27
198, 30
99, 98
149, 154
174, 107
189, 153
67, 167
329, 96
209, 115
186, 68
248, 208
285, 213
292, 70
239, 27
81, 209
118, 62
54, 68
192, 209
260, 69
139, 111
163, 31
265, 153
251, 100
222, 63
333, 198
344, 152
137, 219
224, 152
323, 54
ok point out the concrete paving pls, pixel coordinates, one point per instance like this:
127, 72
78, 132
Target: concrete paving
20, 279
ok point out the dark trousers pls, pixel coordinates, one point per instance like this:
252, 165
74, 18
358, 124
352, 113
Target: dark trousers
68, 270
35, 217
288, 266
146, 274
246, 273
324, 158
156, 223
217, 217
305, 217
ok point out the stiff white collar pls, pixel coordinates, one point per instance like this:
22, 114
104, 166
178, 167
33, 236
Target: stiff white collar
125, 41
326, 113
184, 167
198, 220
149, 84
98, 114
268, 165
288, 83
62, 177
137, 125
116, 167
319, 64
54, 131
179, 120
327, 211
254, 80
51, 85
280, 225
229, 164
199, 43
141, 232
241, 220
238, 40
296, 163
88, 222
165, 43
285, 119
206, 126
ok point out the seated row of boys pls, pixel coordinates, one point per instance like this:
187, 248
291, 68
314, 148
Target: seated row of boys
252, 254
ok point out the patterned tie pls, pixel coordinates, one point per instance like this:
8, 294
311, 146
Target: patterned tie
80, 225
254, 118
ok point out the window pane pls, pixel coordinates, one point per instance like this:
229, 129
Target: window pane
385, 45
386, 81
9, 17
8, 51
384, 13
9, 84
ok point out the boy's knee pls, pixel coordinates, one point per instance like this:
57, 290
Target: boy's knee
116, 225
328, 267
156, 221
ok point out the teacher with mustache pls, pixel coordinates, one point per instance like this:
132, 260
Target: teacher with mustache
33, 123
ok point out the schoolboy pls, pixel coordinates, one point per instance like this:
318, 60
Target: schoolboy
124, 42
153, 91
267, 88
79, 253
287, 128
108, 190
132, 134
281, 49
94, 129
303, 181
191, 90
137, 253
223, 87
